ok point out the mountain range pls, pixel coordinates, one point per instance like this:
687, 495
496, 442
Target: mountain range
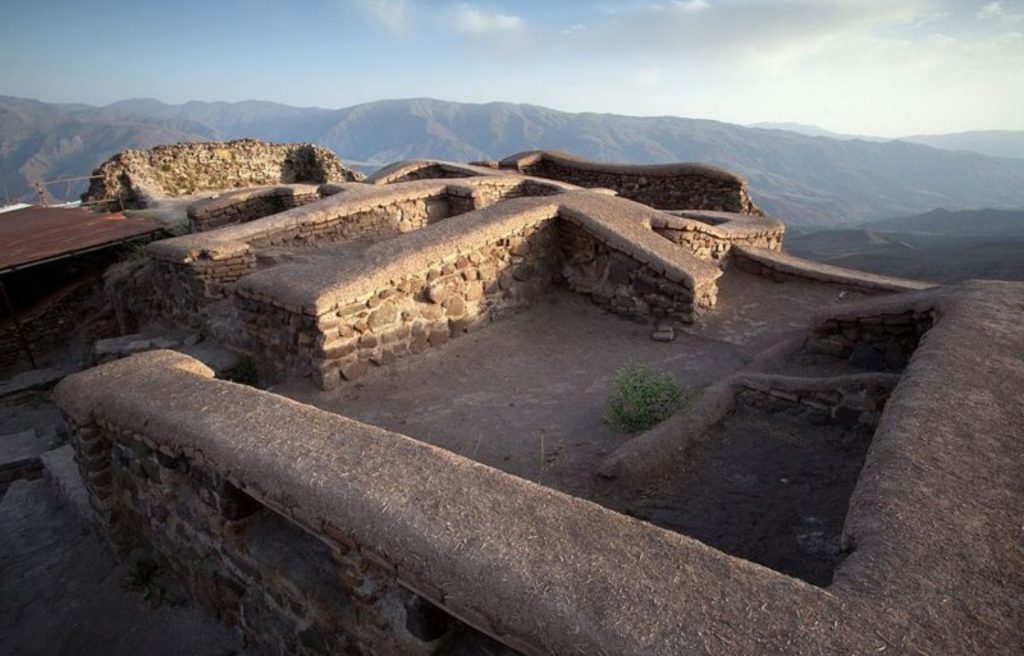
939, 246
805, 180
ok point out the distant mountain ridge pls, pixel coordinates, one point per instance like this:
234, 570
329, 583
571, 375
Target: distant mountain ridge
985, 222
941, 246
995, 143
803, 180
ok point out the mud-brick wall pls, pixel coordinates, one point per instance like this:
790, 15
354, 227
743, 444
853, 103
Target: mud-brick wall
287, 590
425, 308
622, 284
710, 247
182, 291
252, 206
683, 190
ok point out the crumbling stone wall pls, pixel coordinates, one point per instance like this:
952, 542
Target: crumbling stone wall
133, 178
623, 284
287, 590
879, 342
445, 299
185, 290
189, 279
714, 241
50, 325
248, 205
668, 186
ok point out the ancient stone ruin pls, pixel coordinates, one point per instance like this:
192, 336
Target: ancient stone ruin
134, 179
427, 471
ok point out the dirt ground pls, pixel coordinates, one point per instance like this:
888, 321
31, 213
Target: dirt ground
527, 393
769, 488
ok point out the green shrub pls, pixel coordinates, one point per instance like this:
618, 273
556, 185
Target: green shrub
641, 398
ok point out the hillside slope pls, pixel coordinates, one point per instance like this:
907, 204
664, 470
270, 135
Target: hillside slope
802, 179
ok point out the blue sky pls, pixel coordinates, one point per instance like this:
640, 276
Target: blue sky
886, 68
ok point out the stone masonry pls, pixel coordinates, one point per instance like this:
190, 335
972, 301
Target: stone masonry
662, 186
133, 178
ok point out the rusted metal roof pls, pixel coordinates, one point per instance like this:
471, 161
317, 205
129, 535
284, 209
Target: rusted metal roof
36, 234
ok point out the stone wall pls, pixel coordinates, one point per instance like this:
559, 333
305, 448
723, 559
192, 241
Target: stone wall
138, 176
847, 400
712, 235
618, 282
286, 590
183, 291
780, 266
334, 320
338, 537
878, 342
667, 186
493, 256
409, 170
248, 205
421, 308
49, 325
194, 270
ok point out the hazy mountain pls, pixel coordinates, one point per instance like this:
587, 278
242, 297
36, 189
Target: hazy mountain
987, 222
940, 246
39, 141
812, 131
998, 143
804, 180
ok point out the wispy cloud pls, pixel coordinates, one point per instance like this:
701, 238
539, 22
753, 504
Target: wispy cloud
396, 16
474, 20
691, 5
996, 11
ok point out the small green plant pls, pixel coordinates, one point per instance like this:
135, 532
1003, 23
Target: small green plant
641, 398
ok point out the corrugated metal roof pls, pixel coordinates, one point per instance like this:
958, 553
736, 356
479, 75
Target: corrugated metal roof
35, 234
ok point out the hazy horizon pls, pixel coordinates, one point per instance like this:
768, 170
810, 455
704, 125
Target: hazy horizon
866, 67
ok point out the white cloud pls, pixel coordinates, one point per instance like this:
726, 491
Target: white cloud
991, 10
691, 5
995, 11
473, 20
396, 16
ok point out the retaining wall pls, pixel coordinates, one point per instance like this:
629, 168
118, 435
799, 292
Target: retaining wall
662, 186
340, 536
780, 266
248, 205
712, 235
402, 296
